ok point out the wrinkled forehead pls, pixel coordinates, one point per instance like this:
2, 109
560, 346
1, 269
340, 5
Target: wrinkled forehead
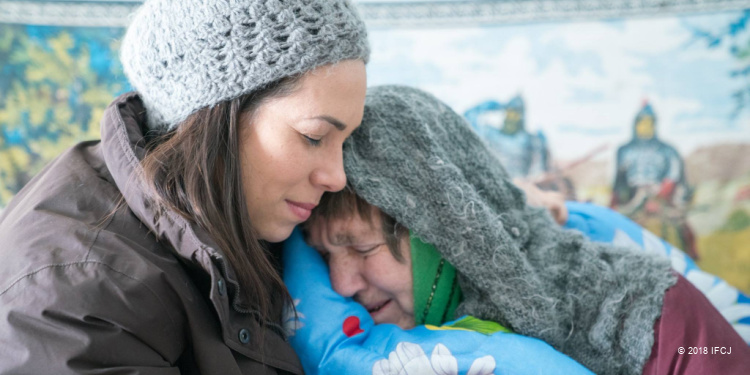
344, 231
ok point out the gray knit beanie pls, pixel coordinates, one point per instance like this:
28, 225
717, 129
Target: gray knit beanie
183, 55
421, 163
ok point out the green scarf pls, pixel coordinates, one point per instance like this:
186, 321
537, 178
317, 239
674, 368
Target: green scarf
436, 290
437, 293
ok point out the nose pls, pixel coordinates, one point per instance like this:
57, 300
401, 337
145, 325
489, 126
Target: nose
346, 276
330, 174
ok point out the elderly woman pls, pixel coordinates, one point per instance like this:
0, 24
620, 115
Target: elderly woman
442, 201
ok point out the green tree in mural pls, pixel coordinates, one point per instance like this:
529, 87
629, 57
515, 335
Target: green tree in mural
54, 86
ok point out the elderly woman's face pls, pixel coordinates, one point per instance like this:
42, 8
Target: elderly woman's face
362, 267
291, 148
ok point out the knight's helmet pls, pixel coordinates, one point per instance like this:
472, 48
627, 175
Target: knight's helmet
514, 116
644, 126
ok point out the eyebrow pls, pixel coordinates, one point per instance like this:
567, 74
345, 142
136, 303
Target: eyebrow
331, 120
343, 239
349, 238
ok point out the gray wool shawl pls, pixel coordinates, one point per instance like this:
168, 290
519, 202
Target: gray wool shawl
421, 163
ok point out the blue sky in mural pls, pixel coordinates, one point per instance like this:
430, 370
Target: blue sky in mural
582, 82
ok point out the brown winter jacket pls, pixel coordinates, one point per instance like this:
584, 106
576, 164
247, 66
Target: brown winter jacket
133, 292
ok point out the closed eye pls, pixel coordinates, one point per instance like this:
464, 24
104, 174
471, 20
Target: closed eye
367, 250
312, 141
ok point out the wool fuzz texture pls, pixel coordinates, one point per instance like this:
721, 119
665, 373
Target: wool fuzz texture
183, 55
421, 163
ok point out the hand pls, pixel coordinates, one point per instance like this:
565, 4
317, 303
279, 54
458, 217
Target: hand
551, 200
666, 189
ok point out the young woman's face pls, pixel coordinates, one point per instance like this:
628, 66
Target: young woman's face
362, 267
291, 148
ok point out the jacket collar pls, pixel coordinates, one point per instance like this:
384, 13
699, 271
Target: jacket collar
123, 147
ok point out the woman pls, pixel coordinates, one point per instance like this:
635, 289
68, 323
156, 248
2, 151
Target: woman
146, 252
401, 280
612, 310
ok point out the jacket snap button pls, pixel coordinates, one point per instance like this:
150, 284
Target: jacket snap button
515, 231
244, 336
222, 287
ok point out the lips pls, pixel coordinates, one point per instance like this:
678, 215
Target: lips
301, 210
372, 309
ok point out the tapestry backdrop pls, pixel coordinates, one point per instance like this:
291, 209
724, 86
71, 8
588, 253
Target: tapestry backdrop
55, 83
649, 116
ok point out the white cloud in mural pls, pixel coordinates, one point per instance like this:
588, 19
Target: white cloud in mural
583, 82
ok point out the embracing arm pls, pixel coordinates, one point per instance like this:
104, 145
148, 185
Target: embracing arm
553, 201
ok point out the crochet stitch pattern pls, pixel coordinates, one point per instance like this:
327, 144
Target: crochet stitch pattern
184, 55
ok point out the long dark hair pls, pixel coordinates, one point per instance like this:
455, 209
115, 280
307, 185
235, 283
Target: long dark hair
195, 171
